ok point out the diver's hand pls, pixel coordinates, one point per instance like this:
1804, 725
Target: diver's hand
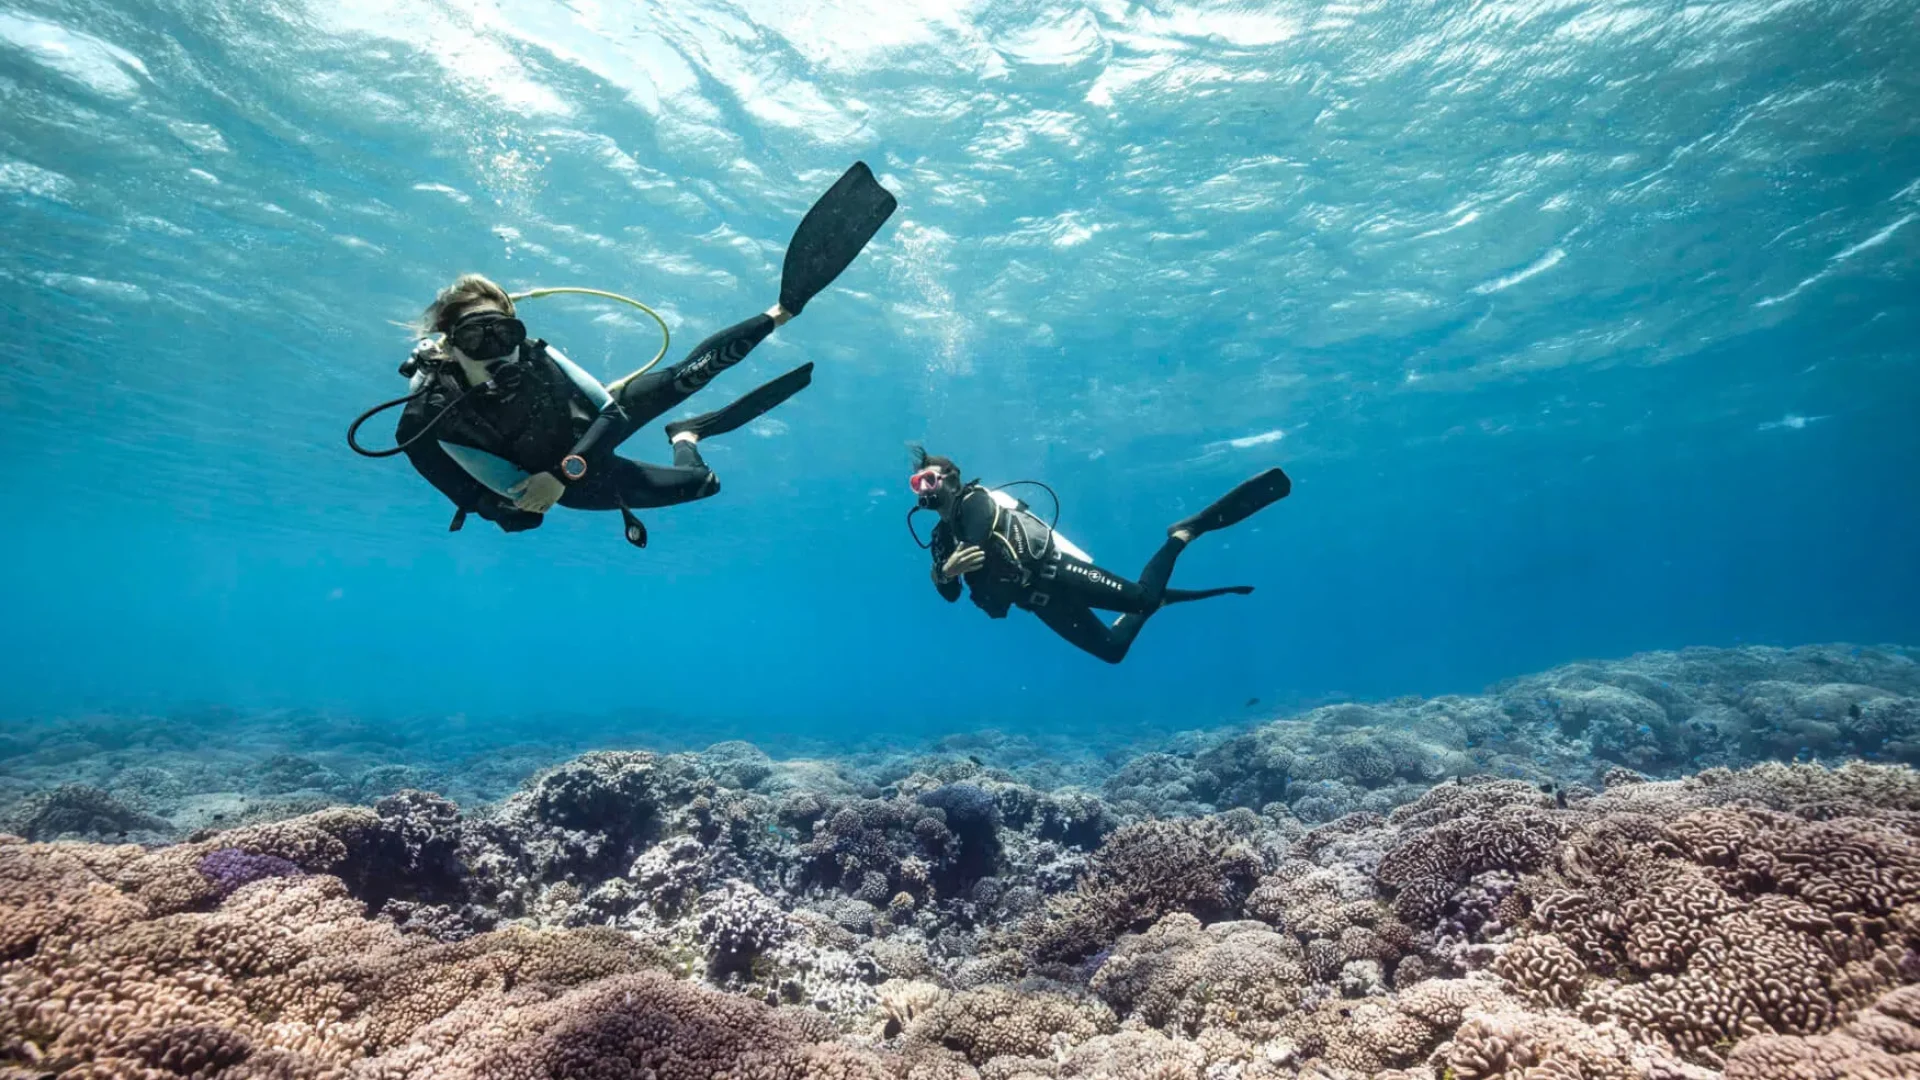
964, 561
542, 491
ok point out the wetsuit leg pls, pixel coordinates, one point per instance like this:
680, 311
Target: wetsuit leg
640, 485
1079, 587
1080, 626
1091, 586
645, 398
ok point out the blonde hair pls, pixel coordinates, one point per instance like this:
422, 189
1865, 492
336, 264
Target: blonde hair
466, 291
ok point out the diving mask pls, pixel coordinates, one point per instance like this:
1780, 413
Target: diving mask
487, 335
926, 482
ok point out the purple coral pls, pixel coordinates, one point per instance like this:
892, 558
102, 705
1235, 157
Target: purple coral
230, 868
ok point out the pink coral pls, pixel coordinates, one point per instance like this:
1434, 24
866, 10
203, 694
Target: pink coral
998, 1021
1730, 923
288, 979
1182, 977
1881, 1043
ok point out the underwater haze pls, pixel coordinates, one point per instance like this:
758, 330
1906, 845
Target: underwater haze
1582, 329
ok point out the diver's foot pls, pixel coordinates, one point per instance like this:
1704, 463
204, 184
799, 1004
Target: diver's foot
1237, 505
780, 316
684, 431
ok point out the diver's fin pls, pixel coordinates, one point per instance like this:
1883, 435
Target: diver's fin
1239, 504
1182, 596
752, 405
832, 234
636, 532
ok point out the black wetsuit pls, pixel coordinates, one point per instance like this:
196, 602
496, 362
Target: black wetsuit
537, 415
1026, 569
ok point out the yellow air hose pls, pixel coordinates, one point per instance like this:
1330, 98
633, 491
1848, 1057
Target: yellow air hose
665, 335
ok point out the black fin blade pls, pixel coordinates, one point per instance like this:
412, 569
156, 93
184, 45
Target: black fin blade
833, 234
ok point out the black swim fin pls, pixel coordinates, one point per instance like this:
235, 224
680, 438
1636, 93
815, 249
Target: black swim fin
751, 406
1185, 596
1239, 504
832, 234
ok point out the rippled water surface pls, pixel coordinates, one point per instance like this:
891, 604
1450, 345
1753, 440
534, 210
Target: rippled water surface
1582, 327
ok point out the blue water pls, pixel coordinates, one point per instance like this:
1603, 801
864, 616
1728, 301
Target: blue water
1583, 328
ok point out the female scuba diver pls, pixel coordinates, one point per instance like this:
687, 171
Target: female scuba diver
507, 427
1010, 558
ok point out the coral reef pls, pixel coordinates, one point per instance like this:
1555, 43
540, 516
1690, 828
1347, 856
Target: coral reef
1364, 892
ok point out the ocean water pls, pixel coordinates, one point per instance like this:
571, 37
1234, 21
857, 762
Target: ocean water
1583, 329
1571, 730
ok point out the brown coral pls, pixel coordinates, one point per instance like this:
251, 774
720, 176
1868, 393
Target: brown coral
1509, 1044
1881, 1043
1476, 828
1182, 977
1543, 968
997, 1021
1202, 866
624, 1026
1365, 1036
1728, 924
288, 978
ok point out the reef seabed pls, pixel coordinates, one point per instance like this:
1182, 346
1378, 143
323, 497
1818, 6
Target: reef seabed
1539, 883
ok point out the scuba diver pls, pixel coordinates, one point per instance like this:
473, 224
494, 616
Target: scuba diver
507, 427
1010, 558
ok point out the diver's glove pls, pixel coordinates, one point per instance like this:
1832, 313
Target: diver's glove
967, 559
542, 490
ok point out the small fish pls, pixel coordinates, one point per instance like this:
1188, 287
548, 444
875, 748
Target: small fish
1853, 710
976, 761
1251, 702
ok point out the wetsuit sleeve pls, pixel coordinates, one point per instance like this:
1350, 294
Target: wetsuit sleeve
466, 493
974, 522
942, 547
460, 487
598, 439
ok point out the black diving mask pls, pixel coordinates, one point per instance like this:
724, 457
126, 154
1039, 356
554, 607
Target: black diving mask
488, 335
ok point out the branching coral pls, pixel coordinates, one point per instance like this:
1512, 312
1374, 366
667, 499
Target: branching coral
1202, 866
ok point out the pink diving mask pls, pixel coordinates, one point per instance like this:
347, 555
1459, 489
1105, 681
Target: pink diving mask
925, 482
